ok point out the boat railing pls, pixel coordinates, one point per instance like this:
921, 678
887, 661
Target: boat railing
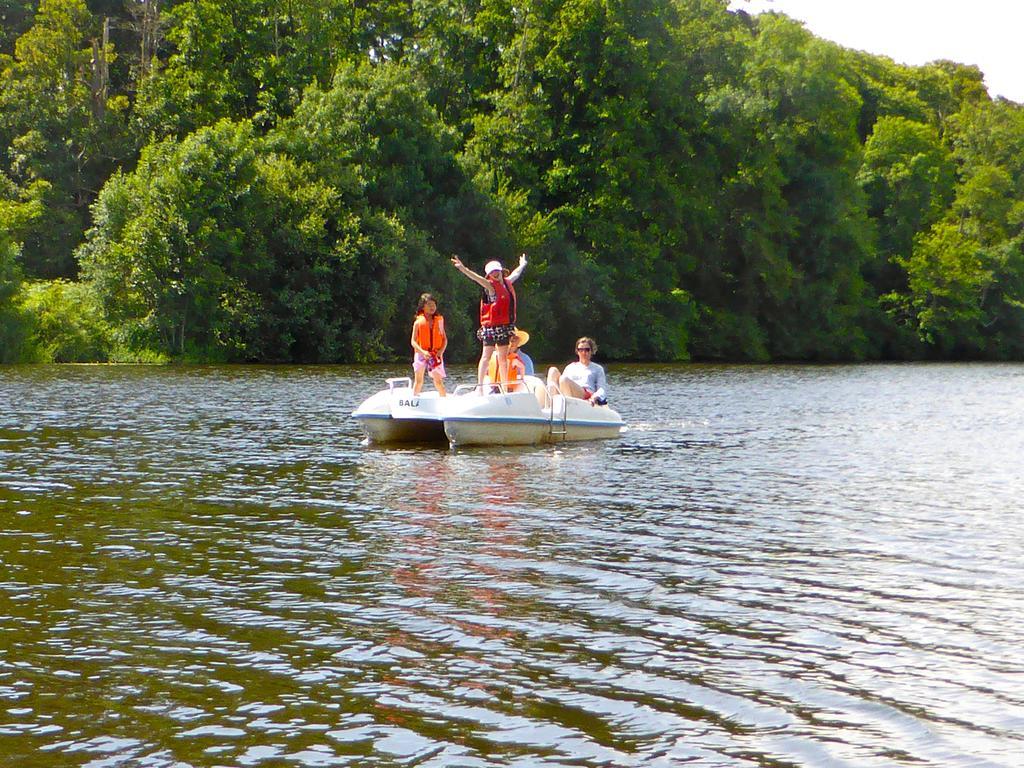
488, 388
399, 382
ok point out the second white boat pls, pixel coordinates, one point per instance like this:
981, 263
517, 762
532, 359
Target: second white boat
527, 417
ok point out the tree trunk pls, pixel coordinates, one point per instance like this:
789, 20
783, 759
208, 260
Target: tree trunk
100, 73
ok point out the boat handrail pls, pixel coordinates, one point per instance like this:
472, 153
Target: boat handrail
502, 388
393, 382
555, 397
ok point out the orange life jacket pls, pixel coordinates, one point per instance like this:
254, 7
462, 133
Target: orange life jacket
430, 333
513, 371
502, 310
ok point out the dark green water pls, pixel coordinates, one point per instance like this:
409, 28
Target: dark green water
774, 566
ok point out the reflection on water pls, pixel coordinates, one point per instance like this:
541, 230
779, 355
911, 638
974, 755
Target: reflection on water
773, 566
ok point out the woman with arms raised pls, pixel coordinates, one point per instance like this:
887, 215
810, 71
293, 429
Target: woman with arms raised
497, 313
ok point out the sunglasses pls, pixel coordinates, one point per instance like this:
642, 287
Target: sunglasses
582, 349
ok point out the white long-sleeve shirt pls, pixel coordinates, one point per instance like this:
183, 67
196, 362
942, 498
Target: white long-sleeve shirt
587, 376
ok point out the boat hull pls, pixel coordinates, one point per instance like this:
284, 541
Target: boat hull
383, 430
527, 417
573, 420
396, 415
520, 419
493, 432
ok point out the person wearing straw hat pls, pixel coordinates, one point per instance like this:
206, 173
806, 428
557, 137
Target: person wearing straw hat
517, 367
515, 347
497, 313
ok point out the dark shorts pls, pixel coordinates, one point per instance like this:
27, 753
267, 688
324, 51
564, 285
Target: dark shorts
498, 336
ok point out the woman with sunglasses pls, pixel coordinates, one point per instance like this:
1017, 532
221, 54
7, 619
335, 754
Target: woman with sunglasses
583, 379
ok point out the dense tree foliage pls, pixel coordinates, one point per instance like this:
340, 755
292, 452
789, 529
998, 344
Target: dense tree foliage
15, 19
280, 179
18, 209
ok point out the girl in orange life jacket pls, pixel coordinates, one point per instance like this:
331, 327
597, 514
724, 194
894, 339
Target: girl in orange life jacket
497, 313
429, 343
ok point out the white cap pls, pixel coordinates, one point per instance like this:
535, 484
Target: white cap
491, 266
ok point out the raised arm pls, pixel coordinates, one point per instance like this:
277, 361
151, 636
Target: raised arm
518, 271
481, 281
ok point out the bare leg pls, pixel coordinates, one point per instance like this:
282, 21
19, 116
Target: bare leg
553, 376
418, 380
570, 388
503, 365
439, 383
485, 360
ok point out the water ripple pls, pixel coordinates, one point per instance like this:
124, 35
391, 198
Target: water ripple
773, 566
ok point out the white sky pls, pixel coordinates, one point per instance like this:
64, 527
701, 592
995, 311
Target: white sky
987, 33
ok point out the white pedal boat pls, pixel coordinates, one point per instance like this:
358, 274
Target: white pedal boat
526, 417
396, 415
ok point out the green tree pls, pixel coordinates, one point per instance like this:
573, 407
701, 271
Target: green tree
60, 125
66, 323
599, 118
1003, 299
908, 176
988, 140
458, 50
947, 285
688, 181
11, 320
375, 131
788, 282
18, 209
948, 86
218, 51
886, 89
215, 248
964, 293
253, 59
15, 18
166, 237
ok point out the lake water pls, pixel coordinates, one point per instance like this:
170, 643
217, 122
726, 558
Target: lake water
773, 566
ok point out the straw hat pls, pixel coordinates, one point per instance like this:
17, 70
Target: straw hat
521, 336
